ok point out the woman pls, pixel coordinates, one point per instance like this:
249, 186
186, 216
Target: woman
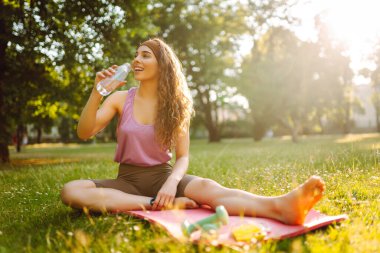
154, 119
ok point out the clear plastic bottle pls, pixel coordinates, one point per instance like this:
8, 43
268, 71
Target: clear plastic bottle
107, 85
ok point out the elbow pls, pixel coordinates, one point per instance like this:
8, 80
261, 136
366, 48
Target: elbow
82, 135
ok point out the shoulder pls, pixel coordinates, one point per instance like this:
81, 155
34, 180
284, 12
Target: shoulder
117, 99
120, 94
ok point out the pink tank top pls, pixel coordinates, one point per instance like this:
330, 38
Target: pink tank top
136, 142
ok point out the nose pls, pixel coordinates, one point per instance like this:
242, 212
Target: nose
136, 60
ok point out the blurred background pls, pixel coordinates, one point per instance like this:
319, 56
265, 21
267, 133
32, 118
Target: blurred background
256, 69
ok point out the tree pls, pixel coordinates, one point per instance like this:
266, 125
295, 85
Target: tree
297, 84
205, 35
375, 77
5, 36
334, 79
23, 75
202, 33
278, 81
49, 50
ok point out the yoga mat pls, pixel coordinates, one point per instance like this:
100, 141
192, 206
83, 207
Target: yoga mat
171, 221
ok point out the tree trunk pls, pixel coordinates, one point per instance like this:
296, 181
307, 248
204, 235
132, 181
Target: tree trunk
39, 134
294, 126
295, 134
213, 130
4, 153
19, 136
348, 104
258, 129
319, 115
211, 125
377, 112
347, 116
213, 134
4, 135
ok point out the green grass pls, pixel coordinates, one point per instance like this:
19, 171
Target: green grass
32, 218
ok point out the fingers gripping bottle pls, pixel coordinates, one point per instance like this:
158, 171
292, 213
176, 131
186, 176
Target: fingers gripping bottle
107, 85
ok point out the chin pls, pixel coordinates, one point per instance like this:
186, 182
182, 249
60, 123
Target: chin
142, 78
138, 78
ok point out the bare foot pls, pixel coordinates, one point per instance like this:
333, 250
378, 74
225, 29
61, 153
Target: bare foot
184, 203
294, 206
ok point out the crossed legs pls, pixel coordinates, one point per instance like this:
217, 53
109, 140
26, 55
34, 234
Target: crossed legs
290, 208
81, 194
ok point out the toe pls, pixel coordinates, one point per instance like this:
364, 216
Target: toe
321, 185
316, 179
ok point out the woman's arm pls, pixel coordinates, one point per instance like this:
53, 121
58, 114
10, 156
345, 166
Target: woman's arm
92, 119
166, 195
182, 158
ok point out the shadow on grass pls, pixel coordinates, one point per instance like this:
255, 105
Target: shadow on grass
23, 163
42, 161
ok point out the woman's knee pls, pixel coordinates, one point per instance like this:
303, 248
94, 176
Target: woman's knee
204, 185
204, 191
208, 184
71, 190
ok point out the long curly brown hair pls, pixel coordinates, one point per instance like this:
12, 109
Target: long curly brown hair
175, 104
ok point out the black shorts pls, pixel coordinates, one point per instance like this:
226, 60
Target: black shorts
143, 181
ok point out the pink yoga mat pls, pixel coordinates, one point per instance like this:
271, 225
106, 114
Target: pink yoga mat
171, 220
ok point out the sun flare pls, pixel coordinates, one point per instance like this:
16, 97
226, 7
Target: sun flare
356, 24
354, 21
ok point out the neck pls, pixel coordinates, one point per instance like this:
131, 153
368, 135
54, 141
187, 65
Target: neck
148, 89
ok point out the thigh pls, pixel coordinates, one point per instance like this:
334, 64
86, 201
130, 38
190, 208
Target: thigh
150, 186
79, 184
146, 180
204, 191
117, 184
186, 180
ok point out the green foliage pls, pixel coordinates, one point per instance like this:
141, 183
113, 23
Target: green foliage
293, 84
236, 129
205, 36
334, 82
51, 53
34, 220
278, 80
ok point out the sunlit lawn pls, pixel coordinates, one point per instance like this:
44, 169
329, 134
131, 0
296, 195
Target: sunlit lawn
32, 218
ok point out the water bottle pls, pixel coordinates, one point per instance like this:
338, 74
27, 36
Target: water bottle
107, 85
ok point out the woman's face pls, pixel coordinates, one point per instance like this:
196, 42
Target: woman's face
145, 65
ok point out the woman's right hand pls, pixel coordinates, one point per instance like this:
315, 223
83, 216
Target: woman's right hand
103, 74
106, 73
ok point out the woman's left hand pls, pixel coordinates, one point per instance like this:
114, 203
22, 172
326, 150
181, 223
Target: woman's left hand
166, 195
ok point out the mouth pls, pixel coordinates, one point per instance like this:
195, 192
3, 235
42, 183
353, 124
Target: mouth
138, 69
